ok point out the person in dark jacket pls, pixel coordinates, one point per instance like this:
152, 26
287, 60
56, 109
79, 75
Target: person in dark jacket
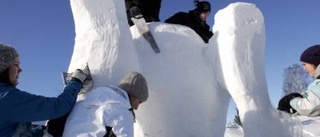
149, 9
195, 19
19, 108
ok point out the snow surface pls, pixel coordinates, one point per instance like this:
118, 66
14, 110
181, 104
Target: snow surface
305, 127
190, 82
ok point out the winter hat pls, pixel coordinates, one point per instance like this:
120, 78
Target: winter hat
311, 55
136, 85
7, 56
203, 6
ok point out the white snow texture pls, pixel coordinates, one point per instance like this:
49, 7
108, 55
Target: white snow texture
190, 82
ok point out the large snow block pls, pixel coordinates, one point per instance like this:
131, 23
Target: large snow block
241, 41
103, 40
188, 80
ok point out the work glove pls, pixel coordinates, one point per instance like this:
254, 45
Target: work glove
79, 76
86, 86
83, 76
284, 103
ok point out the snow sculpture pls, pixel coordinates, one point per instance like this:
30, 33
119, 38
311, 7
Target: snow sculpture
241, 42
190, 82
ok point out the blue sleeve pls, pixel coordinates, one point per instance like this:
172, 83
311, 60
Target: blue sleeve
20, 106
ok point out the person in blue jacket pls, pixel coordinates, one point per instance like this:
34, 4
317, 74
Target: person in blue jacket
19, 108
308, 103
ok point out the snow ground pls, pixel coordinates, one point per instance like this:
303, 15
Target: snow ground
310, 128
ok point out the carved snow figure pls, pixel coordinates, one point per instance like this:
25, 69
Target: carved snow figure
190, 82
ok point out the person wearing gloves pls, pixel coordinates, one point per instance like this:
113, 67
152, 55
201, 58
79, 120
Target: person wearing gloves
108, 107
148, 9
19, 108
308, 104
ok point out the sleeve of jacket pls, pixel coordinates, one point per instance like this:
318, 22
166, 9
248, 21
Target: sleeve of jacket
208, 33
121, 121
178, 18
20, 106
307, 105
131, 3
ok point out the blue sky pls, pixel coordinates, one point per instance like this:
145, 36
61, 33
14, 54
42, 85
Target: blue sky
43, 33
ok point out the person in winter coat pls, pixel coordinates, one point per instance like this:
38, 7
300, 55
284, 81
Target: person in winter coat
308, 104
19, 108
195, 19
108, 107
149, 9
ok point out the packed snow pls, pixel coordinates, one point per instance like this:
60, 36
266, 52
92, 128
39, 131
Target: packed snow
303, 127
190, 82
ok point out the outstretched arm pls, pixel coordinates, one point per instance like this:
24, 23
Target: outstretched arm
20, 106
308, 105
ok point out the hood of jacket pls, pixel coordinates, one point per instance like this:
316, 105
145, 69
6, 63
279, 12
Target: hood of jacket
104, 96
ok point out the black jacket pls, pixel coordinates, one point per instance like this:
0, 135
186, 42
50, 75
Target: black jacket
192, 20
150, 9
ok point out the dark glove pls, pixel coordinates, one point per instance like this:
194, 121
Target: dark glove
284, 103
135, 12
134, 8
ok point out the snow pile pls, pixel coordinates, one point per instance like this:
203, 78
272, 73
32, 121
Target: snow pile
303, 127
310, 126
190, 82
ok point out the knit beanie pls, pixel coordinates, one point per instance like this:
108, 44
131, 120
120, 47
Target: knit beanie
7, 56
136, 86
311, 55
202, 6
